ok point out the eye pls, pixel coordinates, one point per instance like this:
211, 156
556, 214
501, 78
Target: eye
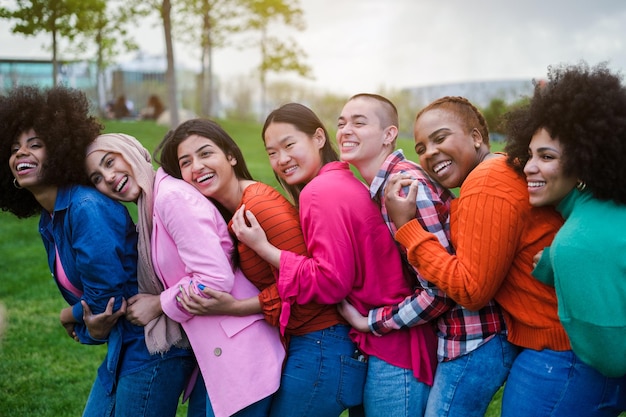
109, 162
340, 125
289, 145
183, 163
96, 179
439, 139
420, 150
271, 154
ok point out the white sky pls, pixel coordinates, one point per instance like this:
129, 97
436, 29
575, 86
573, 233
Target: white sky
365, 45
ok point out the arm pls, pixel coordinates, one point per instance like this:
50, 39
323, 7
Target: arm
105, 258
486, 231
201, 241
543, 270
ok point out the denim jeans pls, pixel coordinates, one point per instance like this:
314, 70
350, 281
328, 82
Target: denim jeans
464, 386
393, 391
320, 378
153, 391
551, 383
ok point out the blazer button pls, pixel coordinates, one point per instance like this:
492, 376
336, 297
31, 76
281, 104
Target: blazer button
217, 351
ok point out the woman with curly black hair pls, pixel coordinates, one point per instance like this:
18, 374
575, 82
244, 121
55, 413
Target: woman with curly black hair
570, 141
91, 243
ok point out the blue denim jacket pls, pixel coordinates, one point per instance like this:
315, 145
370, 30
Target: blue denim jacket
97, 244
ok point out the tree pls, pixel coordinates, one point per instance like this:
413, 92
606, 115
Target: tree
109, 34
164, 10
217, 20
493, 114
276, 55
60, 18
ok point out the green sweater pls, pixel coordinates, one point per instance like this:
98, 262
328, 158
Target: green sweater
587, 266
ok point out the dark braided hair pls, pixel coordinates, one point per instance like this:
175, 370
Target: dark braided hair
584, 108
469, 116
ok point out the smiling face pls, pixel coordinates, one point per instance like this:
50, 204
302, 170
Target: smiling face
294, 156
204, 165
112, 175
446, 151
28, 155
547, 185
361, 135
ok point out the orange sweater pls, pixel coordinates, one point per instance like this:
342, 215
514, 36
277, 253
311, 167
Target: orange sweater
281, 223
496, 233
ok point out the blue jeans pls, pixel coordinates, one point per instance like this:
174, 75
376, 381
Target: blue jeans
551, 383
393, 391
152, 391
464, 386
320, 378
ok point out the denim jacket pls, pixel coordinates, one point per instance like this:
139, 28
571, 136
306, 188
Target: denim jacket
97, 245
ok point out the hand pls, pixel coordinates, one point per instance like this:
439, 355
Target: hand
100, 325
400, 208
251, 235
68, 321
142, 308
352, 315
219, 303
536, 258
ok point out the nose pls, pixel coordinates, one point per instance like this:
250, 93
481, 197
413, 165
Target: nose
21, 151
283, 157
109, 176
530, 167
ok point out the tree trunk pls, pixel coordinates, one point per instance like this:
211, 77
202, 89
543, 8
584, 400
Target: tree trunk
170, 75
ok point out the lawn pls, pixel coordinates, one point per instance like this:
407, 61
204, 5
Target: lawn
43, 373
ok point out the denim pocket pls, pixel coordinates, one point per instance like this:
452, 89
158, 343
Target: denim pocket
351, 382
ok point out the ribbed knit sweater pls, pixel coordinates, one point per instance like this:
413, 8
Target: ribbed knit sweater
496, 233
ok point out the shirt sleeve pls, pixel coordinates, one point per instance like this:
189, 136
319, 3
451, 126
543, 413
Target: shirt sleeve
192, 222
485, 238
101, 257
327, 275
428, 302
543, 271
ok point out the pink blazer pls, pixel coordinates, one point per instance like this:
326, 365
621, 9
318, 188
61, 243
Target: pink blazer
240, 357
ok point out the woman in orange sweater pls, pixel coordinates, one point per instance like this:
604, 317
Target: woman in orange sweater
200, 152
496, 233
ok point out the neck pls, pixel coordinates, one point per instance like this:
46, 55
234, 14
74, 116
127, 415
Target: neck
46, 196
369, 169
233, 199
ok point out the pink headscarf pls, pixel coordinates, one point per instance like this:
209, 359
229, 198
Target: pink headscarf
162, 332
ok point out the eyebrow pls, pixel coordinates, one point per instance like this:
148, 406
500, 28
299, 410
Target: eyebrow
207, 145
280, 142
546, 148
436, 132
103, 158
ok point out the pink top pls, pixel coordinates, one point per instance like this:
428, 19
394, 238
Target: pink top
240, 357
62, 277
353, 256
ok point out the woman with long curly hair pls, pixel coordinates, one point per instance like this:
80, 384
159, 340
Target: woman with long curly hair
91, 246
570, 140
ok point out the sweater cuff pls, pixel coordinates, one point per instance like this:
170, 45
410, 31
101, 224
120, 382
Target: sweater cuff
412, 234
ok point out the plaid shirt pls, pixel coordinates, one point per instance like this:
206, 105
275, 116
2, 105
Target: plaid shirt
459, 330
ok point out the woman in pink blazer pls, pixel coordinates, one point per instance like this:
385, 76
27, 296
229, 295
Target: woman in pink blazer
240, 357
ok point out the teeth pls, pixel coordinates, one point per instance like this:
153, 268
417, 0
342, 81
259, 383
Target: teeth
290, 169
205, 177
349, 144
441, 166
536, 183
121, 184
25, 165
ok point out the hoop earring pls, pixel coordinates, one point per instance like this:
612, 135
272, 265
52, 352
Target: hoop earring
581, 185
16, 185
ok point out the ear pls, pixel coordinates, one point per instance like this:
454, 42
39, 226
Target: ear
319, 138
390, 135
477, 137
232, 160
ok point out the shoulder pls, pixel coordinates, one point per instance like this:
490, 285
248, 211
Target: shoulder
495, 177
